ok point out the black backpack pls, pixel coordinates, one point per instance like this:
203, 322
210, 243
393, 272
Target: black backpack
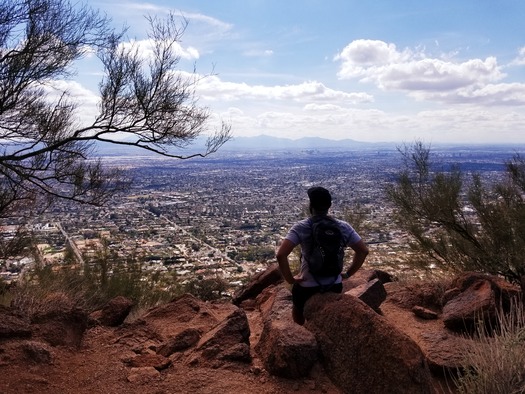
327, 254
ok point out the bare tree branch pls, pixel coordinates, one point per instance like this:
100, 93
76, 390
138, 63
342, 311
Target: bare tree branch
144, 102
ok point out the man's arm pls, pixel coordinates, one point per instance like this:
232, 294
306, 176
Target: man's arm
282, 258
360, 253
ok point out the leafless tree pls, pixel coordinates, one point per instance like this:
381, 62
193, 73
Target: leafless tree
45, 151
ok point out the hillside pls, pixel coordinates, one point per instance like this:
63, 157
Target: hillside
46, 354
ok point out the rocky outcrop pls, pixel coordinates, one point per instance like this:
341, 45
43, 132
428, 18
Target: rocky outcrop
475, 297
190, 331
228, 341
180, 342
362, 346
59, 322
186, 311
444, 351
258, 283
425, 294
290, 350
13, 325
372, 293
114, 312
364, 276
361, 351
285, 348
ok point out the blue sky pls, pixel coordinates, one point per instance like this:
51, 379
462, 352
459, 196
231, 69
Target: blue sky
385, 70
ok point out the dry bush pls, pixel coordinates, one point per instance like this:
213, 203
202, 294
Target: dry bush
428, 293
47, 290
495, 362
84, 289
206, 289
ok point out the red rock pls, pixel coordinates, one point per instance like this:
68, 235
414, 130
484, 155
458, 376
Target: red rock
362, 352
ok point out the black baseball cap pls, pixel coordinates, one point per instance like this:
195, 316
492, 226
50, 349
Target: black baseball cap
320, 198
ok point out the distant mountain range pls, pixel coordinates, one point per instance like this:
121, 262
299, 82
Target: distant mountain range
265, 142
258, 143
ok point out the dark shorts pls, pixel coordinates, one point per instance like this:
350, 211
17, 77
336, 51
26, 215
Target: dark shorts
301, 294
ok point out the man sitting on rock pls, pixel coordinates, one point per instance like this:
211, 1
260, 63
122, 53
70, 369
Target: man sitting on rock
305, 284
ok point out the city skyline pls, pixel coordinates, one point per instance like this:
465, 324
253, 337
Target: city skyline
369, 71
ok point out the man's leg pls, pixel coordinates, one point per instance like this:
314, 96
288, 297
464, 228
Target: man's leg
297, 315
299, 297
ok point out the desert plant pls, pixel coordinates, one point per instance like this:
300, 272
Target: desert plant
90, 286
29, 294
356, 215
206, 289
462, 223
108, 276
494, 362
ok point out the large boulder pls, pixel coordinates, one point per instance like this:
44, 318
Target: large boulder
372, 293
114, 312
186, 311
361, 351
13, 325
180, 342
259, 282
476, 303
59, 321
475, 297
190, 331
364, 276
228, 341
428, 294
444, 351
285, 348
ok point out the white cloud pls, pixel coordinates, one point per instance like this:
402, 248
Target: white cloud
520, 59
258, 53
208, 20
145, 49
360, 54
502, 94
323, 108
461, 124
130, 9
312, 109
435, 75
85, 100
213, 88
411, 71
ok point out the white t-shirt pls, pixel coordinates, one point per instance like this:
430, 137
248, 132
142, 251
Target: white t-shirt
301, 234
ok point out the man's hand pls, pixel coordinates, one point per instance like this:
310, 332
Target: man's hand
298, 278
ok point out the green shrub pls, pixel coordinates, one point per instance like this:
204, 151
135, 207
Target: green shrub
206, 289
460, 222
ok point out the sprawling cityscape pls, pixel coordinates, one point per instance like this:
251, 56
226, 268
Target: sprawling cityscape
224, 216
